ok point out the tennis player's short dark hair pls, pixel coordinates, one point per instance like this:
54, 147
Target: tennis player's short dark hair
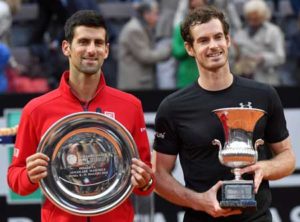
89, 18
202, 15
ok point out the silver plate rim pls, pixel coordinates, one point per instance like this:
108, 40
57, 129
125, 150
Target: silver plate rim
100, 209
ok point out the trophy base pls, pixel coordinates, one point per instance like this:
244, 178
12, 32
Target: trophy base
238, 204
238, 194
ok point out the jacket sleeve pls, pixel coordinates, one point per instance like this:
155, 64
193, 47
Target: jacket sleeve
142, 142
26, 144
178, 49
275, 55
139, 46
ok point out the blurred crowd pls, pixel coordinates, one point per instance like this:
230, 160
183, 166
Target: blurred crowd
146, 48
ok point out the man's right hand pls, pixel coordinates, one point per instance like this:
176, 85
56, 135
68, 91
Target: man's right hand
212, 206
36, 166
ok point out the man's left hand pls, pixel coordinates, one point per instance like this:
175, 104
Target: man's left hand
257, 170
142, 174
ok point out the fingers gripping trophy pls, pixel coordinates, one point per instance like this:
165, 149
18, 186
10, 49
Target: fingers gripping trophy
238, 151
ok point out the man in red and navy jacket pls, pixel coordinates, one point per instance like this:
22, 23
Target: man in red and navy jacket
82, 88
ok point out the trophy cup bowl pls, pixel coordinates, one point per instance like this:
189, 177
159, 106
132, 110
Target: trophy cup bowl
238, 151
89, 172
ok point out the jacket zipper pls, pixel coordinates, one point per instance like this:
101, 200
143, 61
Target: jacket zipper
85, 106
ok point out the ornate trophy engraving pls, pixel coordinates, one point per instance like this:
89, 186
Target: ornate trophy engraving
238, 125
89, 169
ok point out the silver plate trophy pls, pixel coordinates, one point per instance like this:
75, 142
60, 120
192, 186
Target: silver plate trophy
90, 162
238, 125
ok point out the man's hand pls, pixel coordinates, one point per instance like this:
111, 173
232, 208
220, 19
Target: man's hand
258, 170
36, 166
281, 165
212, 206
141, 173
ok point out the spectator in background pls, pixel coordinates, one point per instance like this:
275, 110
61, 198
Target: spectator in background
293, 53
49, 10
4, 59
52, 14
295, 4
14, 5
45, 41
8, 8
5, 22
260, 45
137, 53
230, 10
187, 71
59, 11
166, 70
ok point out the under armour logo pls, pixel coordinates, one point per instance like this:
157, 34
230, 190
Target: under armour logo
249, 105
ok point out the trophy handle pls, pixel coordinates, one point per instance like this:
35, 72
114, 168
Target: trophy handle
217, 142
258, 143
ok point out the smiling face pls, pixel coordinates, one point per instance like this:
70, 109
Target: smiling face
210, 45
87, 51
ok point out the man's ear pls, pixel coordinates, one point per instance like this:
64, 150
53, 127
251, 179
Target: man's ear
106, 50
65, 46
228, 40
189, 49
